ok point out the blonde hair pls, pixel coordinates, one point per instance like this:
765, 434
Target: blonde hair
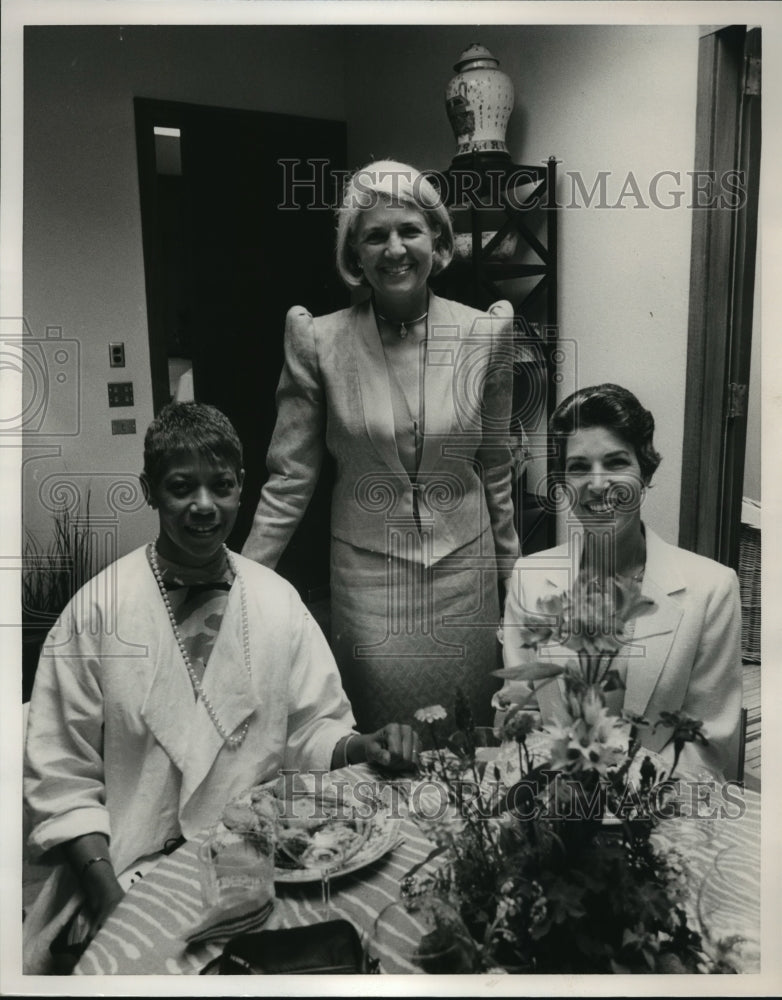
390, 182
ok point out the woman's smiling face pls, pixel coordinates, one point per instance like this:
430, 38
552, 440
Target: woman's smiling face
394, 246
197, 501
604, 478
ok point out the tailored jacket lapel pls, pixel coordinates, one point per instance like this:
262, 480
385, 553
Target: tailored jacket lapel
654, 633
229, 688
446, 336
444, 341
182, 725
375, 390
169, 702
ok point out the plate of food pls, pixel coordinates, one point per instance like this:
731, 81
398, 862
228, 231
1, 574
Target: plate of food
317, 832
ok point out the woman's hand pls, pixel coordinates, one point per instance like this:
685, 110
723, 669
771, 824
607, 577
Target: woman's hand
393, 748
89, 856
103, 900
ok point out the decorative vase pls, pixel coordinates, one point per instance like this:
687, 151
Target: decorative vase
479, 101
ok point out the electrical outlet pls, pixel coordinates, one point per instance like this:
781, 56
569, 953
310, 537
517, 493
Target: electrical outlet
117, 355
123, 426
120, 394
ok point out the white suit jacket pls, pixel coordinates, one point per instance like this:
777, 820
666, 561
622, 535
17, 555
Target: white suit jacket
686, 655
334, 394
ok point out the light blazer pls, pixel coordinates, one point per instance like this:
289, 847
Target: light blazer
116, 741
117, 744
334, 394
689, 647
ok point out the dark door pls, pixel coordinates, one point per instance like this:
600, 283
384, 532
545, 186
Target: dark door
246, 261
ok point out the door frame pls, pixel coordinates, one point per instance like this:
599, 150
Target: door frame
722, 284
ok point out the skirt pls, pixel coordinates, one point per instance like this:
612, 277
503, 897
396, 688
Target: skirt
406, 636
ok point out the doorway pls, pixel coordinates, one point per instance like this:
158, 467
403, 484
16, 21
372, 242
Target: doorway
722, 293
722, 422
224, 263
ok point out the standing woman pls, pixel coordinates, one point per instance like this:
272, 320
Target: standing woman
411, 394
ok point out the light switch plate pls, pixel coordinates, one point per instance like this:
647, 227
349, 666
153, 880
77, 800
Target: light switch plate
123, 426
120, 394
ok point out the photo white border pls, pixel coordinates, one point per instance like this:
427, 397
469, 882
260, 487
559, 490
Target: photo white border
18, 13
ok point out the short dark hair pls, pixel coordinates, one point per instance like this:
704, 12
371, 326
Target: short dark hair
612, 406
190, 428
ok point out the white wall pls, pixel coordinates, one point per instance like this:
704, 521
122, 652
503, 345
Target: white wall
618, 99
83, 260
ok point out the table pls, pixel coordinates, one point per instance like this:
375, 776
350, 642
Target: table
146, 933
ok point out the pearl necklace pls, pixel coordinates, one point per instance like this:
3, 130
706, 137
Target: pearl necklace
232, 742
403, 331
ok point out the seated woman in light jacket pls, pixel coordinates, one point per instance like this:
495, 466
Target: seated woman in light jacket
685, 655
411, 395
176, 678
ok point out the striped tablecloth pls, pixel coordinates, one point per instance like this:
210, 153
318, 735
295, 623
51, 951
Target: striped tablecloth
146, 933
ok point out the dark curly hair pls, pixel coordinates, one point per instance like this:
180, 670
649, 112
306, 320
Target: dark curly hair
187, 428
606, 405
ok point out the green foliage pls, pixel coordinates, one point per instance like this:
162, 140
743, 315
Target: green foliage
546, 891
52, 574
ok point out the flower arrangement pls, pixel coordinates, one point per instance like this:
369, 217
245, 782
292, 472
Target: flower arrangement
556, 869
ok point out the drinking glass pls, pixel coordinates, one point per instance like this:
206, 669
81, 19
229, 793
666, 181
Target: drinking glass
425, 934
330, 833
238, 865
327, 869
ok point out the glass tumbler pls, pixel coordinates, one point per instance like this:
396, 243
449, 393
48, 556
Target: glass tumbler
425, 934
238, 865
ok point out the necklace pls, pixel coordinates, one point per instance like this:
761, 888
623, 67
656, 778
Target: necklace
403, 331
233, 742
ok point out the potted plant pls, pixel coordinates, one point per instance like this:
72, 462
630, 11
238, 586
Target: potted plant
51, 575
548, 853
